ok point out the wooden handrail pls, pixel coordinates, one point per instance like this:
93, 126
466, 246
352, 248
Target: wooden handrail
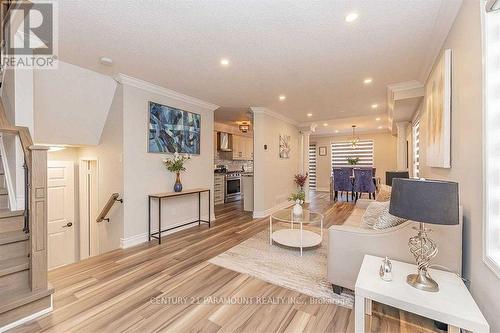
112, 199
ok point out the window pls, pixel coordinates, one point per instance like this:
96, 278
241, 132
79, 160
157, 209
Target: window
416, 149
312, 166
341, 151
492, 139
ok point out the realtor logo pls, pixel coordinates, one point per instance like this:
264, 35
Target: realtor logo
30, 34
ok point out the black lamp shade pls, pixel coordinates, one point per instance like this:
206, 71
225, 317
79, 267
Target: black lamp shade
427, 201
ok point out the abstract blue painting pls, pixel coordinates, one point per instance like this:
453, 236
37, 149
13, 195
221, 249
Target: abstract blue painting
173, 130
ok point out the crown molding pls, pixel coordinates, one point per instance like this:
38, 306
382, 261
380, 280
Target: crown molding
266, 111
137, 83
442, 25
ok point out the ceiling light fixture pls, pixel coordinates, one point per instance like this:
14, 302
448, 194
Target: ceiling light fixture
309, 114
244, 128
224, 62
106, 61
351, 17
368, 80
325, 124
377, 119
374, 106
380, 127
354, 140
336, 131
282, 97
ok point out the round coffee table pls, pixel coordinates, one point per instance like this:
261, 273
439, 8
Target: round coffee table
295, 235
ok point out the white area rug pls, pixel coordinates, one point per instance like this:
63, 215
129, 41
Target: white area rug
285, 267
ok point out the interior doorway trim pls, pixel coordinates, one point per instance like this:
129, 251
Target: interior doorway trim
89, 199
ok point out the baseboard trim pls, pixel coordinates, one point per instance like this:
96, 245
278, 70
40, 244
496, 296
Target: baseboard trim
28, 318
143, 238
269, 211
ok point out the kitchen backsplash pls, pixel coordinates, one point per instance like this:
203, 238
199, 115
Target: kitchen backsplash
232, 165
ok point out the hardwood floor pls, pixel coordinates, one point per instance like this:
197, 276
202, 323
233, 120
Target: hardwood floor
173, 288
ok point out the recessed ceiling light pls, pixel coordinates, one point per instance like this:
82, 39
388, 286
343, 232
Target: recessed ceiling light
325, 124
336, 131
309, 114
380, 127
368, 80
374, 106
282, 97
351, 17
377, 119
224, 62
106, 61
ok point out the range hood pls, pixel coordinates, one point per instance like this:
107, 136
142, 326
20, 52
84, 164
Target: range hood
224, 141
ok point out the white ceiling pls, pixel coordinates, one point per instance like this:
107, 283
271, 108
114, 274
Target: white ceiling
302, 49
343, 126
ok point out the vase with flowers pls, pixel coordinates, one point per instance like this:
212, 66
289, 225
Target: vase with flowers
300, 180
176, 164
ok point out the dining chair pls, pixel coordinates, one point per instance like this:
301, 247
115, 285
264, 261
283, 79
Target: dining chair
342, 182
363, 182
390, 175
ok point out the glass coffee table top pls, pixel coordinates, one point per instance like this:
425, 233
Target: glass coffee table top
308, 217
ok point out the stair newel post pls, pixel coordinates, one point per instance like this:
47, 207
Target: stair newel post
26, 227
37, 197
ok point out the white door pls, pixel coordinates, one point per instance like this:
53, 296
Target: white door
61, 213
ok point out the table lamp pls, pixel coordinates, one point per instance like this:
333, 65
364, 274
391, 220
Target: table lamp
424, 201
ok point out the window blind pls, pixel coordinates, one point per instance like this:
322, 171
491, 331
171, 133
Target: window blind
341, 151
416, 149
312, 166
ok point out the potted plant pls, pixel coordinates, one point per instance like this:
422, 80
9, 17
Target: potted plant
353, 160
176, 164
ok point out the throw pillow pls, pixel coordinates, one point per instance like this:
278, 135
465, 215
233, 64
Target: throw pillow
387, 220
372, 213
384, 193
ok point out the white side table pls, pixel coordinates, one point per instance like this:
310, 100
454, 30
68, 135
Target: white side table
452, 304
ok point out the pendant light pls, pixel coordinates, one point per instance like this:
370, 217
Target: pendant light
354, 140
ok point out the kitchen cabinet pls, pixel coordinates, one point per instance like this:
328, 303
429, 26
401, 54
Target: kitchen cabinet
242, 148
219, 189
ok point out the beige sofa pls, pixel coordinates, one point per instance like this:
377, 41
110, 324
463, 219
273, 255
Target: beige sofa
348, 243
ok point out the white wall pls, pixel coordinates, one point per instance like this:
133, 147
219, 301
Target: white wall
73, 100
144, 173
464, 40
109, 155
273, 176
385, 151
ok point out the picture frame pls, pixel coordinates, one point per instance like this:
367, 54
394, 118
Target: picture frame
172, 130
284, 146
322, 151
438, 113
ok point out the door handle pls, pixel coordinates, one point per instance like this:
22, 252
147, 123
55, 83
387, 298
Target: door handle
69, 224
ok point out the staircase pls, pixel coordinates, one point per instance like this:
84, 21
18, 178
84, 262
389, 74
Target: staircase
24, 289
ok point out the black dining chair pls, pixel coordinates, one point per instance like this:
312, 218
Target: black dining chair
390, 175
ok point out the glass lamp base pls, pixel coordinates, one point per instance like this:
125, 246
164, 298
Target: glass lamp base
422, 281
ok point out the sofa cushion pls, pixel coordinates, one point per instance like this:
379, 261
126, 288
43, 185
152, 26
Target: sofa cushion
387, 220
384, 193
372, 213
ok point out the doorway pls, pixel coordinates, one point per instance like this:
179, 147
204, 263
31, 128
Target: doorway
61, 213
89, 228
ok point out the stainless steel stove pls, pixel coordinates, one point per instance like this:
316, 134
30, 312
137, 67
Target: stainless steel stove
233, 186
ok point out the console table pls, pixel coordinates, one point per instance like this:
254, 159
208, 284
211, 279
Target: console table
452, 304
166, 195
